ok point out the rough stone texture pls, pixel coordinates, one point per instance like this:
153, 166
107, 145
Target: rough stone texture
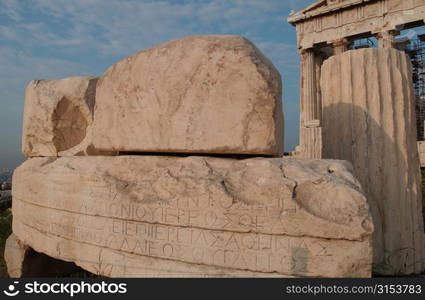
196, 216
22, 261
14, 254
58, 117
201, 94
421, 150
369, 120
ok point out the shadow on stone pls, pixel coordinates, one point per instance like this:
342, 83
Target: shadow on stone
388, 170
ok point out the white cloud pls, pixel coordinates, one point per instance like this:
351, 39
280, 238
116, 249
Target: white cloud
299, 4
19, 67
11, 9
111, 28
121, 27
283, 55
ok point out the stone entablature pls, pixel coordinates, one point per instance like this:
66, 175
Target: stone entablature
327, 21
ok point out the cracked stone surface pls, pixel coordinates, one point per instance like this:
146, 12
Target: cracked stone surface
159, 216
200, 94
58, 117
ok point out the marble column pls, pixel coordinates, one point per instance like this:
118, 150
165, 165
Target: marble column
310, 131
340, 46
309, 87
368, 119
386, 39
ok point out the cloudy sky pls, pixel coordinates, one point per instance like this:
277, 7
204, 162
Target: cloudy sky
49, 39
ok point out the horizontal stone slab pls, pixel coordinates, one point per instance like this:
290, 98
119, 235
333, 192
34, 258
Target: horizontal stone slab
213, 94
271, 196
111, 263
58, 117
254, 217
269, 254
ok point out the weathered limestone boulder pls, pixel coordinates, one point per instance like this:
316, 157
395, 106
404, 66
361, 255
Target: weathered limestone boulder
159, 216
58, 117
22, 261
369, 120
201, 94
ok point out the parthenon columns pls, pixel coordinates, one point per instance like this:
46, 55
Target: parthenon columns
311, 105
309, 70
311, 139
373, 122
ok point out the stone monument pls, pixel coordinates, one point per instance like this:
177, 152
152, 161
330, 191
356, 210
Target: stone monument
184, 177
359, 107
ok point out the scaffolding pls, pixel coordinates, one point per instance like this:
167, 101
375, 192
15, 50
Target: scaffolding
363, 43
415, 48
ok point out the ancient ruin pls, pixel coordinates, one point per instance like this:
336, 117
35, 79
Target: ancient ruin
329, 27
58, 117
210, 216
359, 106
137, 214
170, 164
368, 107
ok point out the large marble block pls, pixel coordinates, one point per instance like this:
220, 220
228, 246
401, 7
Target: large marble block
201, 94
195, 216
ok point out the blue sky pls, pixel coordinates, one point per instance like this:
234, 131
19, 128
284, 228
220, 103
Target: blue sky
50, 39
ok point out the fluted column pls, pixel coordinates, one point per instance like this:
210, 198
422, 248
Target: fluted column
368, 118
310, 107
309, 87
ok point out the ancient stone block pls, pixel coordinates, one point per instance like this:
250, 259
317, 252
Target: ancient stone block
58, 117
22, 261
369, 120
201, 94
195, 216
